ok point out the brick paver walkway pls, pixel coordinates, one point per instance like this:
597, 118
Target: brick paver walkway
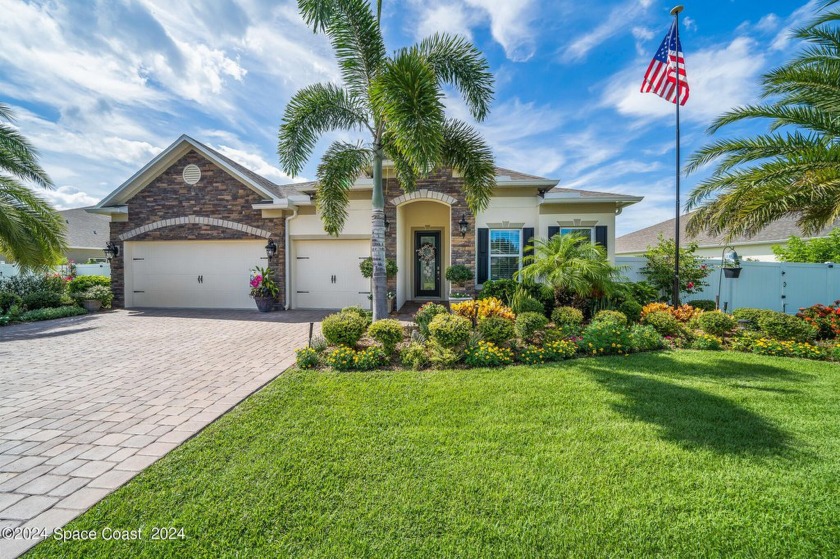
86, 403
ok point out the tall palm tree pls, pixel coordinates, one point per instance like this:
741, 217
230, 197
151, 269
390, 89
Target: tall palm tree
31, 232
396, 102
572, 266
794, 168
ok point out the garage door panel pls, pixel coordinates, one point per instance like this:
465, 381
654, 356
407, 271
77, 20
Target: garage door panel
327, 274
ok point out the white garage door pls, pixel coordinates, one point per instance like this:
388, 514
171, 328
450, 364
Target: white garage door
327, 276
191, 274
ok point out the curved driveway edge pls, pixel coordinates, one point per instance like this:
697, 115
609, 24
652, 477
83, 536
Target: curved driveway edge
87, 403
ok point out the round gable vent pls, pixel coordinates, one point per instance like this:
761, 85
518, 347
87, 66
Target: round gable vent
191, 174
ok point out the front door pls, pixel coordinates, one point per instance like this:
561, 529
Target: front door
427, 264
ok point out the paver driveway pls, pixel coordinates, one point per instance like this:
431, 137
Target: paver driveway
88, 402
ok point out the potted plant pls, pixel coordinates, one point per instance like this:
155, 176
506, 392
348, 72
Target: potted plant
366, 267
732, 265
94, 298
458, 275
263, 289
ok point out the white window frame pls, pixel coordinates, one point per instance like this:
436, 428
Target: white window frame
490, 254
570, 229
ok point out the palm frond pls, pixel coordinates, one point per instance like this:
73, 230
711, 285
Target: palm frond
31, 231
465, 150
19, 158
340, 167
406, 174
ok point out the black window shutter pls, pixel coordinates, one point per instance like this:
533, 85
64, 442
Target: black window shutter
483, 256
601, 235
553, 230
527, 237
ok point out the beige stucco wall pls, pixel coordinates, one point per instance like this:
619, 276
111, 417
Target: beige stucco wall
420, 215
308, 224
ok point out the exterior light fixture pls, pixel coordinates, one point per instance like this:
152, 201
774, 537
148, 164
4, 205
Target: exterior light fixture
270, 249
463, 225
111, 250
732, 271
387, 224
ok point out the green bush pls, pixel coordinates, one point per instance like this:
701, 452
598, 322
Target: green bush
605, 338
645, 338
502, 289
96, 293
306, 358
424, 315
458, 274
532, 355
523, 302
556, 333
442, 357
613, 317
342, 358
708, 342
496, 329
743, 340
450, 330
487, 354
42, 300
24, 284
665, 323
703, 304
366, 267
783, 326
528, 324
750, 315
344, 328
8, 300
415, 356
388, 332
557, 350
631, 309
359, 311
319, 344
51, 313
369, 358
789, 348
83, 283
566, 316
716, 323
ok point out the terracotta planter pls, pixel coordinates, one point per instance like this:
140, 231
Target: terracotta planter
731, 272
264, 304
92, 305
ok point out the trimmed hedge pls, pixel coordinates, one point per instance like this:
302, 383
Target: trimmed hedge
51, 313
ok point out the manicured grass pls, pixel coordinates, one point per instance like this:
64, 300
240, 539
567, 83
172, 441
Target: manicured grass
673, 454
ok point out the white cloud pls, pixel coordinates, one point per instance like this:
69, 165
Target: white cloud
614, 24
511, 25
797, 19
690, 23
66, 197
444, 18
256, 163
770, 22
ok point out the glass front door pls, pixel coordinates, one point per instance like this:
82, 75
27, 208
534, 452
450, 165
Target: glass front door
427, 264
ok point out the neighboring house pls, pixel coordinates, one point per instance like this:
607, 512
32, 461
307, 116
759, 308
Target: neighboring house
87, 234
757, 247
192, 223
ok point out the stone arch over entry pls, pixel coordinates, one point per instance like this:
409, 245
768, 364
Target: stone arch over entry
184, 220
424, 194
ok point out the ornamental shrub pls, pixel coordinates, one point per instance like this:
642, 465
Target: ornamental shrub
502, 289
25, 284
388, 332
703, 304
425, 314
750, 315
442, 357
319, 344
664, 323
824, 317
357, 310
8, 300
450, 330
716, 323
645, 338
532, 355
743, 340
789, 348
605, 338
786, 327
487, 354
523, 302
415, 356
306, 358
631, 309
83, 283
369, 358
613, 317
659, 268
344, 328
50, 313
566, 316
482, 308
97, 293
496, 330
708, 342
528, 324
341, 358
558, 350
366, 267
41, 300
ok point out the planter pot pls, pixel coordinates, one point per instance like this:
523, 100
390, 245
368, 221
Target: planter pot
92, 305
264, 304
392, 303
731, 272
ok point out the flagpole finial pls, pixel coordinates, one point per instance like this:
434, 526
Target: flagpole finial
677, 9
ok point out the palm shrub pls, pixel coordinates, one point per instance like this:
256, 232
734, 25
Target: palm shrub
396, 100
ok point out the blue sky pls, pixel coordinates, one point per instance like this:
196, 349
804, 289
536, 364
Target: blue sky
100, 87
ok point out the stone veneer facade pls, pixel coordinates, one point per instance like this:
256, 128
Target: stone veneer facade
217, 195
462, 249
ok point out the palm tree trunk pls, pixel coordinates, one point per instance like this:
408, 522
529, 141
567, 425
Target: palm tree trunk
377, 239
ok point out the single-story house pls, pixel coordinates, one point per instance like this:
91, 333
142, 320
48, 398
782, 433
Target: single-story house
87, 234
192, 223
757, 247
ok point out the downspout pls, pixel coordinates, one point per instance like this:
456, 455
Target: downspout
288, 258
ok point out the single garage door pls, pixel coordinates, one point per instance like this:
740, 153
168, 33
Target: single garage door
327, 274
191, 274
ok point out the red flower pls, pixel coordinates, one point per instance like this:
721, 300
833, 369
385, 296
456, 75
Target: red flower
691, 285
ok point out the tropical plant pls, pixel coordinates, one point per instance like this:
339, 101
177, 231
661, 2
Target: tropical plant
263, 284
572, 266
397, 101
659, 268
792, 169
816, 250
31, 231
824, 317
482, 308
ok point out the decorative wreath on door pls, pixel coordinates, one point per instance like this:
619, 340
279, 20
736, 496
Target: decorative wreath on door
426, 253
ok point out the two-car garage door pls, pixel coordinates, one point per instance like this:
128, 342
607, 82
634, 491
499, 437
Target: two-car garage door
191, 274
326, 274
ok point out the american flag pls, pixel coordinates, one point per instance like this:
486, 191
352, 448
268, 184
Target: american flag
660, 77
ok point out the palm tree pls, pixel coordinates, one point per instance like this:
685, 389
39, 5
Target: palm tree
31, 232
572, 266
794, 168
396, 101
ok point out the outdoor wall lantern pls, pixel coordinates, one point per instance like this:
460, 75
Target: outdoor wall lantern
387, 224
463, 225
111, 250
270, 249
732, 271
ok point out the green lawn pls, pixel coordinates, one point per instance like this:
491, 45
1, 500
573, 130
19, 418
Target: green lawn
675, 454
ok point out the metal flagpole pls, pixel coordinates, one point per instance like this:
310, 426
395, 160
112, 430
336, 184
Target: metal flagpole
676, 294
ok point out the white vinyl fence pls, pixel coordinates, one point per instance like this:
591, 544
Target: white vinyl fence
779, 286
103, 269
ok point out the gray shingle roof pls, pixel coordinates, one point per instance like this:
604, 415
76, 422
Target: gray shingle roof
516, 175
86, 230
638, 241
